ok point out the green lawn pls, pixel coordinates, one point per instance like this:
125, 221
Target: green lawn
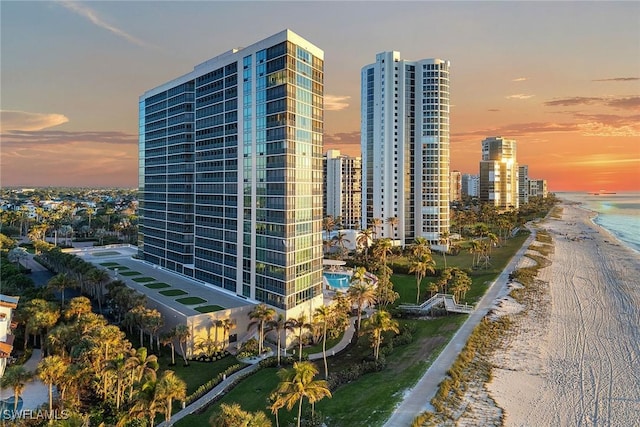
144, 279
370, 400
129, 273
157, 285
191, 300
173, 292
108, 264
208, 308
366, 402
105, 253
119, 267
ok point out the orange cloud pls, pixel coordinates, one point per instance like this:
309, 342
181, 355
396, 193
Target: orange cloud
11, 120
335, 102
519, 96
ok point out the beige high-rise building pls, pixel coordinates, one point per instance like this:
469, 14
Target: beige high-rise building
455, 186
499, 173
342, 186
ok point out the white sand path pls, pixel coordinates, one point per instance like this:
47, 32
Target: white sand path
580, 364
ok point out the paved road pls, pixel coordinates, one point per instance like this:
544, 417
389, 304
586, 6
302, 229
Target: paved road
417, 399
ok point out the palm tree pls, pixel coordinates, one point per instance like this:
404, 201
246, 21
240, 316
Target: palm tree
361, 292
328, 224
444, 238
61, 282
78, 306
298, 383
49, 371
16, 377
182, 334
278, 325
378, 323
420, 247
340, 241
393, 221
432, 288
170, 387
376, 223
474, 248
118, 366
299, 325
261, 314
323, 316
420, 267
232, 415
167, 340
97, 278
147, 402
363, 238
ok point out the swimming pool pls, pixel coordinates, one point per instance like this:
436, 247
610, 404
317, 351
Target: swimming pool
338, 281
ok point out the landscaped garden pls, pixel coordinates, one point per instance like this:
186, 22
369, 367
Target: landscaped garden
208, 308
157, 285
191, 300
173, 292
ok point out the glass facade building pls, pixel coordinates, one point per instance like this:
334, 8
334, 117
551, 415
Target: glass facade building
343, 188
405, 147
499, 173
231, 172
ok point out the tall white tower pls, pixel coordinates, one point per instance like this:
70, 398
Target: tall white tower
405, 147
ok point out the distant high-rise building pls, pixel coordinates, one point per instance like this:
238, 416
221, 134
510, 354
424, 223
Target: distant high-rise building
231, 172
499, 173
538, 188
523, 184
405, 146
470, 185
455, 186
343, 188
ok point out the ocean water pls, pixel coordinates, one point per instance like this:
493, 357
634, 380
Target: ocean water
619, 213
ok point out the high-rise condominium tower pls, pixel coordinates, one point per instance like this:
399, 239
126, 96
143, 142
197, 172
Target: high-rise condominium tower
523, 184
231, 172
499, 173
405, 147
343, 188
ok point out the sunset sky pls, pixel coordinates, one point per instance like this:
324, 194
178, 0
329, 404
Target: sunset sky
561, 78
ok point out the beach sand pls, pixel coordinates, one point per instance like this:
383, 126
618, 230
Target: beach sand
573, 358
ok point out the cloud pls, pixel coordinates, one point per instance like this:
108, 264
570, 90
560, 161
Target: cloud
576, 100
23, 138
493, 110
617, 79
520, 79
601, 129
92, 16
519, 96
626, 102
24, 121
335, 102
347, 142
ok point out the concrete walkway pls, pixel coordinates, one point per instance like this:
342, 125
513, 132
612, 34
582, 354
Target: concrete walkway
417, 399
344, 342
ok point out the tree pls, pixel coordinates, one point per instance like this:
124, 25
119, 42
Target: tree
420, 247
298, 325
444, 238
382, 249
182, 334
226, 325
363, 238
147, 402
376, 224
378, 323
297, 384
232, 415
17, 255
118, 366
60, 282
97, 278
49, 371
393, 221
16, 377
170, 387
78, 307
361, 292
278, 325
167, 340
328, 224
323, 315
420, 267
340, 241
261, 314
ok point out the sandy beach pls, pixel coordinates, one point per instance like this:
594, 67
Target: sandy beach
573, 358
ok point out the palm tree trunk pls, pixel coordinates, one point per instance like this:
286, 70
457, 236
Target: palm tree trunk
50, 397
299, 411
324, 352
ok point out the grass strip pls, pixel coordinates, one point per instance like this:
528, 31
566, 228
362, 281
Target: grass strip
173, 292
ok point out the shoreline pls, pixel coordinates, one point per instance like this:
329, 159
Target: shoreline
572, 354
